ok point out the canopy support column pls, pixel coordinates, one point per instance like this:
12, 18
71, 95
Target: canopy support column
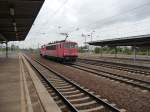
6, 49
134, 50
101, 51
116, 51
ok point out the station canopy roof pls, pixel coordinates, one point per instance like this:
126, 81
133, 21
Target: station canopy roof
140, 41
17, 17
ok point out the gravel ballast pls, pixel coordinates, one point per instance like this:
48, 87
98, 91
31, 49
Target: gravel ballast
125, 96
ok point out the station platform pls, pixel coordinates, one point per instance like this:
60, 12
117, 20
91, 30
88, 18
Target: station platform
20, 89
9, 85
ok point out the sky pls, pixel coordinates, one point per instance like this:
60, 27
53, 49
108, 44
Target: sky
104, 19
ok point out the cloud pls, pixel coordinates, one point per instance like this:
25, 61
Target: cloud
104, 16
129, 10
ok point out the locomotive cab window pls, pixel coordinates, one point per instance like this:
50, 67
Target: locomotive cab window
70, 45
52, 47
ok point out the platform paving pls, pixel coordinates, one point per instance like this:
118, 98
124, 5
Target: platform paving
19, 92
9, 84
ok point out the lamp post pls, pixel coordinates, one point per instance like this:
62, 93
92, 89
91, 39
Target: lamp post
92, 34
83, 35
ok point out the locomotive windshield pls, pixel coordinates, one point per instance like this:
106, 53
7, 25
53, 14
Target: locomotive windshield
70, 45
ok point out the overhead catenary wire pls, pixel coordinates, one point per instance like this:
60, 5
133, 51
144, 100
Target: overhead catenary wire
106, 19
57, 10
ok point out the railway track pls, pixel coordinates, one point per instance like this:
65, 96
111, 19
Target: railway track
124, 67
124, 79
126, 59
69, 95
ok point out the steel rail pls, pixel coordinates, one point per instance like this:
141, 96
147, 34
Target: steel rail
88, 69
106, 104
124, 67
129, 78
71, 107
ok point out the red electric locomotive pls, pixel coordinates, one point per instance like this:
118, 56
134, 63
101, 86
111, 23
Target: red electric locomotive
64, 51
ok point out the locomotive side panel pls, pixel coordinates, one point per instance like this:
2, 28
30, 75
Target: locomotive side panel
61, 51
51, 50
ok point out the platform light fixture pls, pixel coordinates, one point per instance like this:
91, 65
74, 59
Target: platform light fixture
15, 29
15, 26
14, 23
12, 11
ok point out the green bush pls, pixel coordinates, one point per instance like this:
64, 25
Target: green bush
97, 50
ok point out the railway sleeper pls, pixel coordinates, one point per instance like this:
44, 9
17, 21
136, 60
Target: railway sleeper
70, 92
79, 99
60, 85
68, 86
90, 106
67, 89
56, 80
74, 95
85, 104
99, 108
